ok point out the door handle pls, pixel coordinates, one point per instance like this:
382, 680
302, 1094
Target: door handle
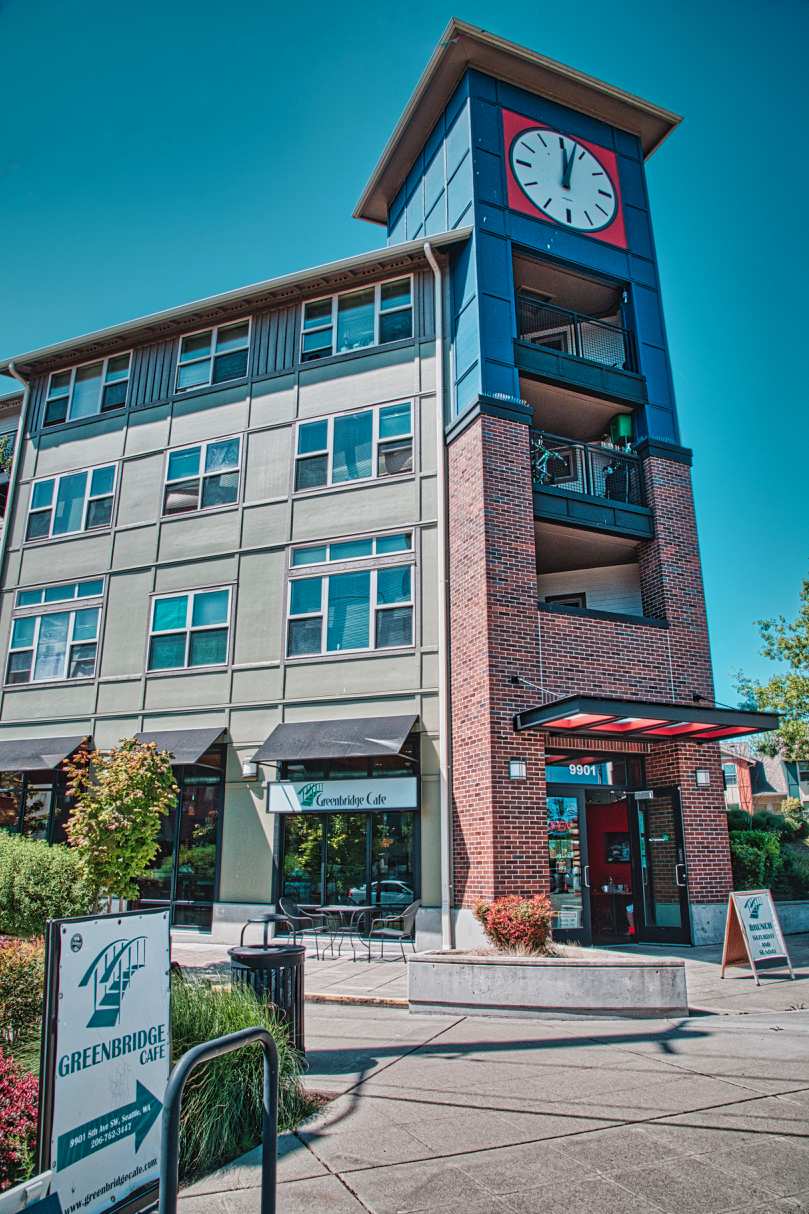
586, 874
677, 868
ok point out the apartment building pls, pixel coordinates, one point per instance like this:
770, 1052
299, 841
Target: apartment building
396, 555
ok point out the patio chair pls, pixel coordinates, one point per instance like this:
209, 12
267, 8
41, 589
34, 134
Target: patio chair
303, 921
383, 929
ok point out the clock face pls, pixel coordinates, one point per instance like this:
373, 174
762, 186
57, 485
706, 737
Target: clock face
564, 180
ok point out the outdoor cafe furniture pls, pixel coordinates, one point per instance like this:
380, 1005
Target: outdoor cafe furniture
302, 920
382, 929
350, 931
267, 919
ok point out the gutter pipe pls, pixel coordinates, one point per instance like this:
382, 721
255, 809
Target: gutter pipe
16, 461
443, 631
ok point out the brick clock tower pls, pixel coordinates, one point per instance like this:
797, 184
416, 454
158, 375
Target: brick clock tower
584, 755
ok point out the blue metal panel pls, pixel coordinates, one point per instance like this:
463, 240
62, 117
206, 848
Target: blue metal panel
492, 219
554, 115
487, 126
467, 339
632, 185
497, 331
628, 144
648, 321
500, 379
415, 173
481, 85
456, 101
436, 221
638, 235
658, 423
546, 238
464, 276
398, 233
643, 271
467, 389
434, 180
434, 141
488, 177
458, 141
395, 212
459, 192
415, 211
654, 365
494, 261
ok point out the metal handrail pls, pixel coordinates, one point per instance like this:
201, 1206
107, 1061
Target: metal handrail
573, 333
592, 468
170, 1132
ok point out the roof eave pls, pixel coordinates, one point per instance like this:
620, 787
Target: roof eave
463, 46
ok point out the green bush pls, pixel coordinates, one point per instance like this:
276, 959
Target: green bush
739, 819
755, 857
22, 975
796, 873
220, 1117
37, 883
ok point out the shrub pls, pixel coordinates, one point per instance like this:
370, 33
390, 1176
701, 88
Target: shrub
18, 1122
37, 883
22, 975
739, 819
755, 858
796, 873
516, 923
221, 1115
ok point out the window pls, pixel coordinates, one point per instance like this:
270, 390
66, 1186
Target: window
567, 600
729, 772
355, 446
347, 550
95, 388
214, 356
369, 317
201, 477
55, 644
803, 773
76, 501
366, 609
190, 629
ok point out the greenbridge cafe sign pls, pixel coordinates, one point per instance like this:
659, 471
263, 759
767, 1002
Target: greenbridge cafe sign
336, 796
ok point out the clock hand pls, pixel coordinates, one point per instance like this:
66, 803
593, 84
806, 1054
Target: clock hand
569, 167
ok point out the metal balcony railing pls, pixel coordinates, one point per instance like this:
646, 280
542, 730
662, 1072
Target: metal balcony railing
598, 341
593, 468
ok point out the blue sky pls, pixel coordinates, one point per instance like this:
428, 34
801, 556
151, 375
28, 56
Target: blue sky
158, 152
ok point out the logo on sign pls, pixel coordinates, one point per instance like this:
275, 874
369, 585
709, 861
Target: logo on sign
753, 906
111, 973
307, 795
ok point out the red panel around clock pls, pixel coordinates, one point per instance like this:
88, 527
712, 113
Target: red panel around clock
516, 124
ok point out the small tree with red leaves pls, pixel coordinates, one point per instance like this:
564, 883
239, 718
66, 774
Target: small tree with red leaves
18, 1122
515, 923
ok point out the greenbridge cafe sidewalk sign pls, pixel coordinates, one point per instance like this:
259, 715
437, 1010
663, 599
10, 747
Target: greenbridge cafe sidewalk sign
753, 934
106, 1059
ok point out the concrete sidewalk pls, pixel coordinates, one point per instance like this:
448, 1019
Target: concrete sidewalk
344, 980
473, 1115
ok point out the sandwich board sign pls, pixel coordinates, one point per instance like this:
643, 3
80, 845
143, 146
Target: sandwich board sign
106, 1059
753, 934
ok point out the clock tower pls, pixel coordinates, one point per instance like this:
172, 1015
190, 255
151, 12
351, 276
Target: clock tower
584, 762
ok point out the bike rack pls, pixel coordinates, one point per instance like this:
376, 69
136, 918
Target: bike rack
170, 1134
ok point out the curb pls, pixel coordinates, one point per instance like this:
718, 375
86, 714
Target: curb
359, 1000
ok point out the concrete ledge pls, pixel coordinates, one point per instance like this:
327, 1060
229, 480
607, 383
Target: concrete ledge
591, 983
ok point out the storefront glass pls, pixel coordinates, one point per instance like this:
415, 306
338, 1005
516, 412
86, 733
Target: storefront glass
35, 804
564, 851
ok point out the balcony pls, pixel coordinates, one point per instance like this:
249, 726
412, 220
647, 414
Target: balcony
588, 485
577, 351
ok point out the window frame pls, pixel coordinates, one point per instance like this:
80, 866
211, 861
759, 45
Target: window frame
203, 446
211, 356
378, 311
88, 498
325, 570
60, 606
73, 372
376, 443
156, 596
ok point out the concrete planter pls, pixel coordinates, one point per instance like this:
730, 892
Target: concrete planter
583, 982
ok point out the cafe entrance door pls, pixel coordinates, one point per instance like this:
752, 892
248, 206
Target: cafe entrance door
661, 878
567, 861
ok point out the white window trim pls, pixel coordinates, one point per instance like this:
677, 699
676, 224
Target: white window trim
404, 556
69, 395
376, 442
375, 608
377, 312
203, 445
176, 594
38, 612
214, 331
83, 530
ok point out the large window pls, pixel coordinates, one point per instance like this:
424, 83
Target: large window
355, 446
213, 357
369, 317
94, 388
75, 501
201, 477
55, 644
363, 609
190, 629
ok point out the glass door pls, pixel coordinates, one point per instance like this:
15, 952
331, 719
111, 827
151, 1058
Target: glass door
567, 856
661, 880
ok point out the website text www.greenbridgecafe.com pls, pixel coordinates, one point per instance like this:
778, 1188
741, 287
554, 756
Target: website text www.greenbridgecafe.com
112, 1184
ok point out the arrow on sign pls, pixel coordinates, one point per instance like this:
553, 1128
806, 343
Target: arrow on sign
136, 1118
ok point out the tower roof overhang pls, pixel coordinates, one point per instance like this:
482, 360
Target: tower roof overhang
463, 46
641, 720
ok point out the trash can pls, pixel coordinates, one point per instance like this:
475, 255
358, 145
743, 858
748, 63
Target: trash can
275, 973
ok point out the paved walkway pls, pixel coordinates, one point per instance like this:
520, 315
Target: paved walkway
462, 1115
341, 979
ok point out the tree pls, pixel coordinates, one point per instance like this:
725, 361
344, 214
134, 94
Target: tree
786, 692
120, 798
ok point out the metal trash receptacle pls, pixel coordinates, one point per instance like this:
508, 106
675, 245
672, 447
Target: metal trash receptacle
275, 973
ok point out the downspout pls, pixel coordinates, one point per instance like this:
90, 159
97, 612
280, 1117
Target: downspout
15, 466
443, 631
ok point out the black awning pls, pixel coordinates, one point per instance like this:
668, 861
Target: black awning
187, 745
641, 720
36, 754
352, 739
